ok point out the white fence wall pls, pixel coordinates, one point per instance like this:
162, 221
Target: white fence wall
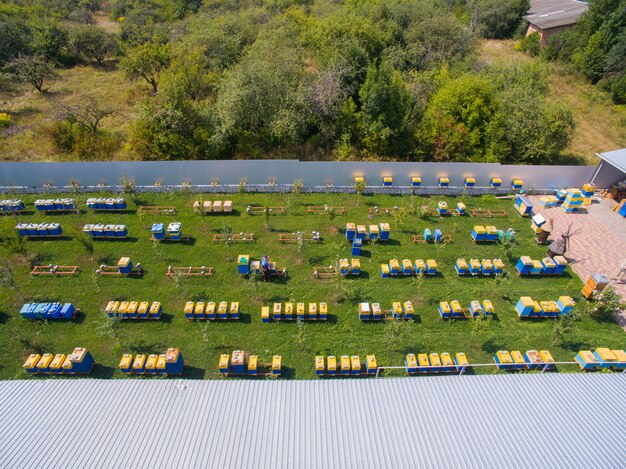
230, 172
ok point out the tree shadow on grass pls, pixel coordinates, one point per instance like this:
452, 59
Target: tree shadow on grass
4, 317
102, 372
491, 346
193, 372
142, 346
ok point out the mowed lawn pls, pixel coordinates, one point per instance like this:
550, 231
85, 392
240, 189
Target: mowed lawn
202, 342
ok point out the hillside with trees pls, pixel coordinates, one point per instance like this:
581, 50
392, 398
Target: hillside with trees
310, 79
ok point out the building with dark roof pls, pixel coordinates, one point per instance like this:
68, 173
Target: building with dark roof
548, 17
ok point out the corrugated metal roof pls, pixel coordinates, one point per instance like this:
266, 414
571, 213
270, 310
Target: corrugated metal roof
616, 158
546, 14
553, 420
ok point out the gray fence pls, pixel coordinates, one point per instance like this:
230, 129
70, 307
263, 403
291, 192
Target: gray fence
284, 172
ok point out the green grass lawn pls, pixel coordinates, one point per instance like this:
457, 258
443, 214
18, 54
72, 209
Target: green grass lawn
202, 342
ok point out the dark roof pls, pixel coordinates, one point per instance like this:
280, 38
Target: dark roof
546, 14
550, 420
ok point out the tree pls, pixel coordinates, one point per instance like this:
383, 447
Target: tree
86, 112
500, 19
386, 112
92, 42
33, 69
147, 61
564, 326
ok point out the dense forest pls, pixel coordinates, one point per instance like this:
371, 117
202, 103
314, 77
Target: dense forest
310, 79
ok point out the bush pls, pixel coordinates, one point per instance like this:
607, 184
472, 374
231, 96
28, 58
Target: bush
618, 89
5, 120
606, 304
74, 141
531, 44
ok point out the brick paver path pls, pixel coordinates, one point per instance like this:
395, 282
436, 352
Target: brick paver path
598, 248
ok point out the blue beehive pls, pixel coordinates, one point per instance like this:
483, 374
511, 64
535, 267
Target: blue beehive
22, 229
350, 231
524, 265
470, 182
81, 360
243, 264
356, 246
524, 306
496, 182
560, 264
51, 311
479, 233
54, 229
125, 265
31, 229
444, 310
411, 363
42, 229
40, 205
416, 181
174, 231
24, 310
158, 231
586, 360
174, 361
30, 312
88, 229
384, 231
549, 266
384, 270
523, 205
517, 184
438, 235
387, 181
374, 232
98, 230
109, 204
394, 267
461, 266
121, 231
622, 210
428, 235
120, 204
101, 203
109, 231
444, 182
460, 208
92, 203
565, 304
67, 311
442, 207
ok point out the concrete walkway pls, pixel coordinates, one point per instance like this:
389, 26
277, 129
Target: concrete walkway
600, 247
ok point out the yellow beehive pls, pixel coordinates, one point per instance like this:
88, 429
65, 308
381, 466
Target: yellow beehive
210, 308
361, 230
350, 227
45, 360
431, 264
234, 308
222, 308
374, 230
461, 359
498, 264
189, 307
252, 363
344, 264
408, 307
312, 310
57, 362
396, 307
407, 265
422, 359
345, 364
445, 307
139, 362
122, 307
536, 307
355, 363
323, 308
143, 307
132, 307
606, 354
435, 361
505, 357
319, 365
356, 264
456, 306
474, 264
462, 264
487, 264
446, 359
420, 265
384, 269
620, 355
492, 230
288, 309
546, 306
476, 307
112, 306
359, 180
265, 313
278, 308
567, 300
394, 264
371, 362
331, 363
518, 358
300, 309
224, 361
199, 309
488, 307
151, 362
479, 229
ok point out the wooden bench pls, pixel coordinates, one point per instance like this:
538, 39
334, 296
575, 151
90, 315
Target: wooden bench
157, 209
54, 270
317, 209
445, 239
477, 212
295, 237
257, 210
234, 238
201, 271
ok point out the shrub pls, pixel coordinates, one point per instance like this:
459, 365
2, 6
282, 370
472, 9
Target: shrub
618, 90
5, 119
606, 304
75, 141
530, 44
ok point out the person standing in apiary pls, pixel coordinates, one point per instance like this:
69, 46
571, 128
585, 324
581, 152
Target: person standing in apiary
265, 267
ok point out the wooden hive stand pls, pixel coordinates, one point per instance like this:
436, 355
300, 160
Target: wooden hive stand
419, 238
320, 209
325, 272
480, 213
234, 238
58, 270
157, 209
190, 271
385, 210
258, 210
295, 237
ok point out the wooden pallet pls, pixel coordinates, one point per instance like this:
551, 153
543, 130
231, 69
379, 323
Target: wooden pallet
294, 238
257, 210
234, 238
325, 272
189, 271
321, 209
157, 209
183, 239
54, 270
418, 238
476, 212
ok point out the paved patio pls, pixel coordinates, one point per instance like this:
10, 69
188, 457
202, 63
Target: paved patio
601, 245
